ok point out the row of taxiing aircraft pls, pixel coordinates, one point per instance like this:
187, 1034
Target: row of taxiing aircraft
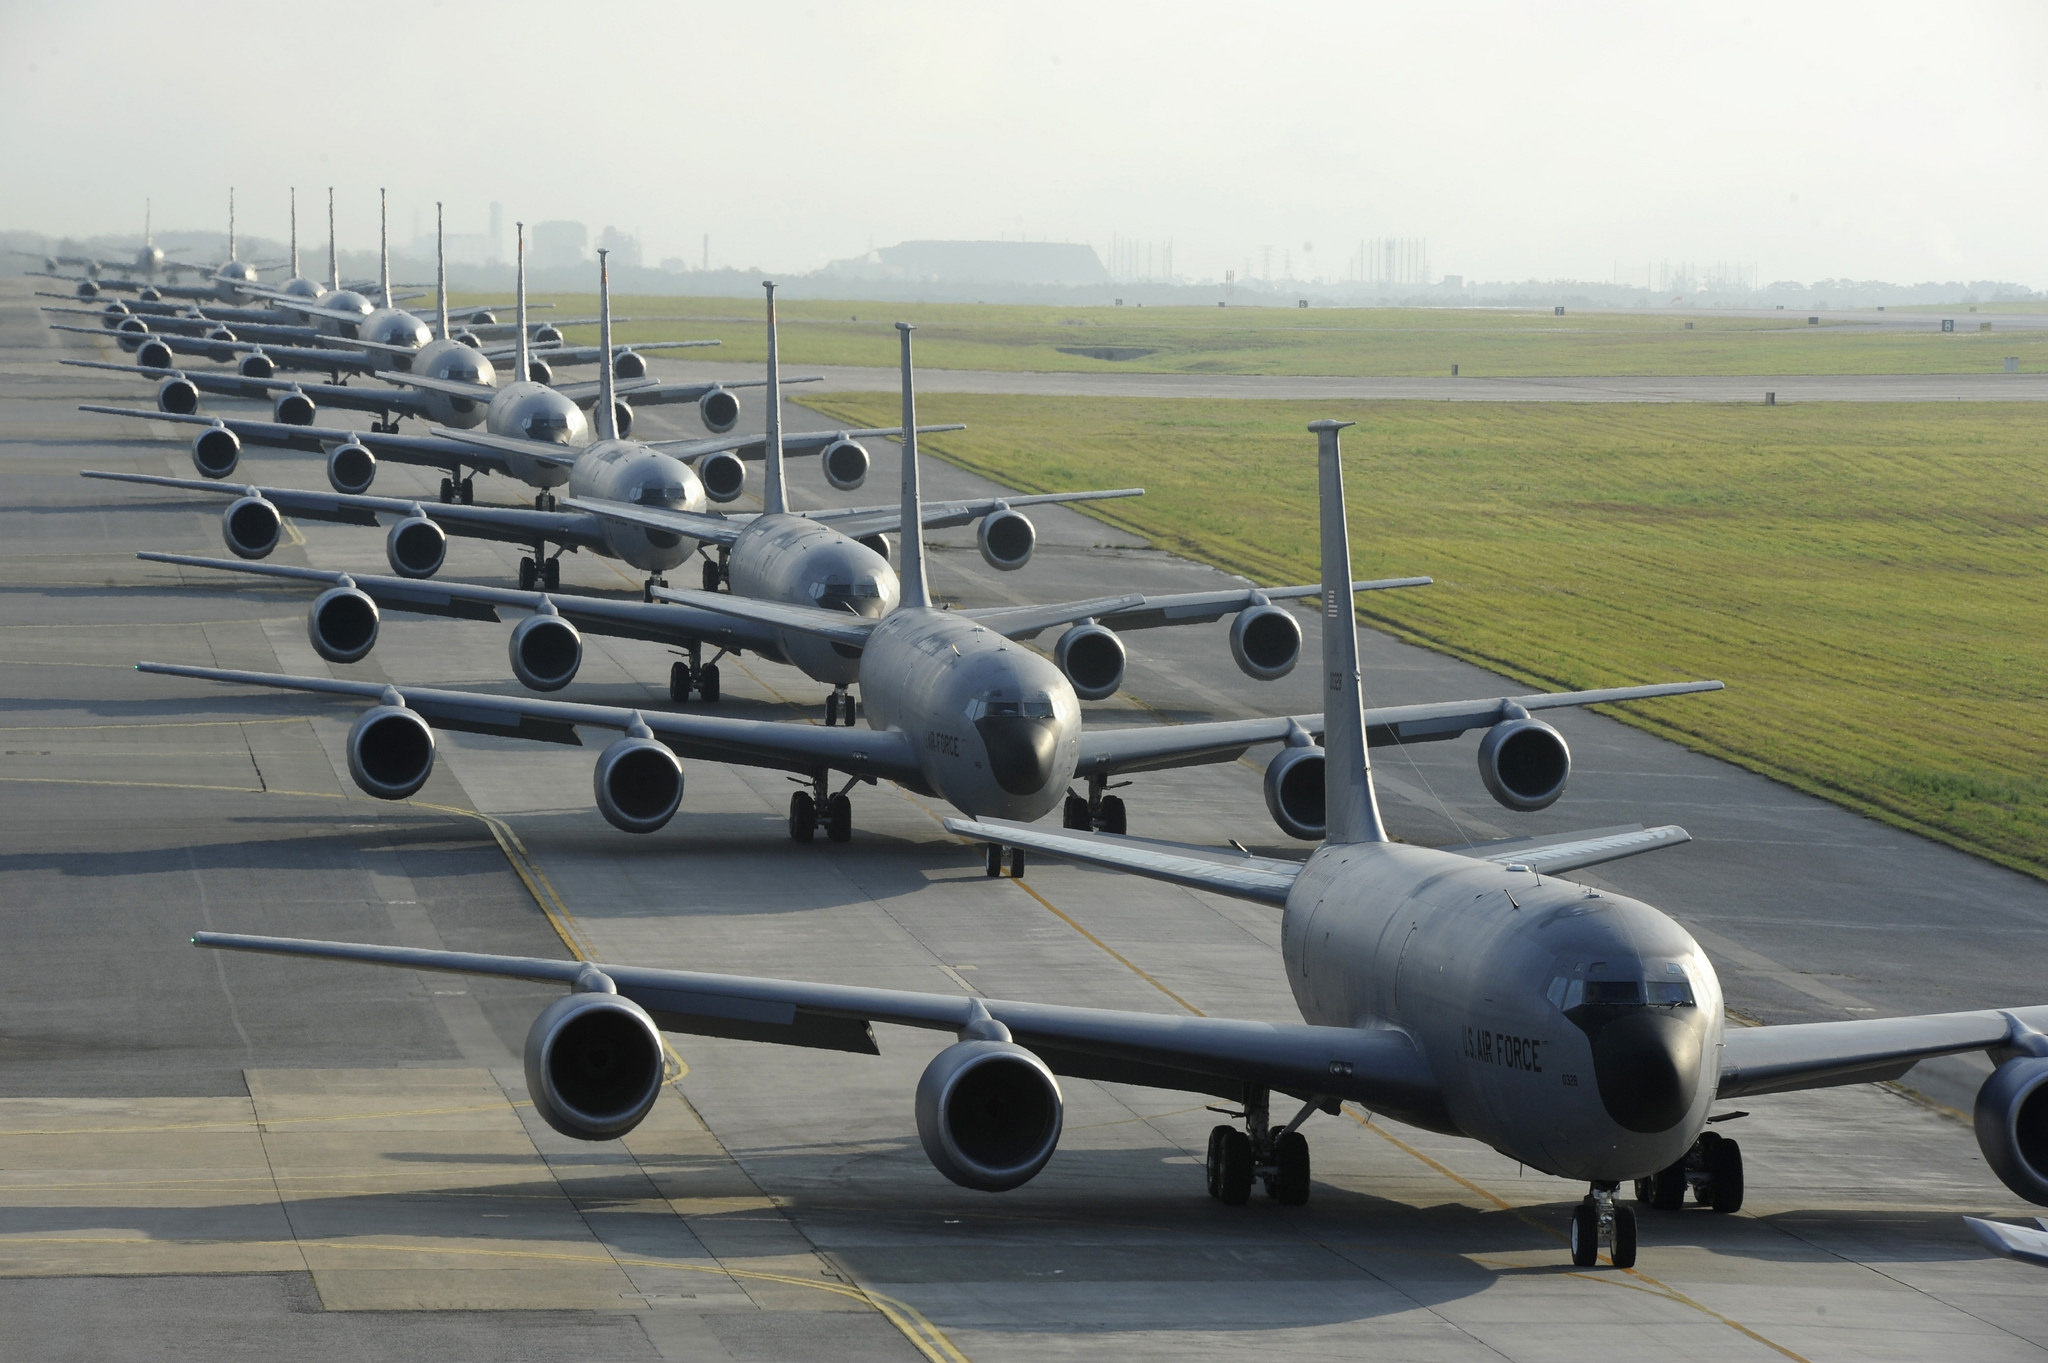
1468, 991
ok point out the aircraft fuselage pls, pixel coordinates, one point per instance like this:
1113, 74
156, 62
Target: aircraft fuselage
797, 561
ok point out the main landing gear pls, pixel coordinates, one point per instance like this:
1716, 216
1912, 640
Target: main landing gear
540, 573
841, 707
716, 574
1599, 1221
1712, 1169
995, 861
685, 677
1099, 812
543, 501
457, 491
815, 809
653, 581
1276, 1156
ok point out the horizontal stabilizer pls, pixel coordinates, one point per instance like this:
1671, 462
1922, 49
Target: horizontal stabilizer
1572, 851
1260, 879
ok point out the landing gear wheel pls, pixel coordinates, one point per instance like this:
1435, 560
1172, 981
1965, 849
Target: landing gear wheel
1016, 863
1112, 820
995, 861
1074, 813
1724, 1177
1667, 1188
447, 489
1217, 1135
852, 709
1230, 1167
679, 683
839, 819
551, 575
707, 684
1288, 1183
832, 710
529, 576
803, 816
712, 577
467, 488
1585, 1235
1624, 1237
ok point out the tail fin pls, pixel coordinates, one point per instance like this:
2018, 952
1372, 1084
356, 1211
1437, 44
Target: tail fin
384, 247
774, 485
440, 268
525, 348
607, 399
231, 224
1350, 809
295, 231
917, 591
148, 231
333, 259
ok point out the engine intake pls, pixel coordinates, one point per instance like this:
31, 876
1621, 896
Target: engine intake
177, 394
547, 335
416, 547
989, 1114
2011, 1118
131, 332
390, 752
629, 364
224, 335
719, 410
1006, 540
594, 1065
87, 289
1525, 764
251, 526
215, 452
342, 624
539, 371
293, 408
846, 464
1294, 793
638, 783
546, 650
156, 353
257, 365
622, 413
351, 468
1092, 656
723, 474
1266, 642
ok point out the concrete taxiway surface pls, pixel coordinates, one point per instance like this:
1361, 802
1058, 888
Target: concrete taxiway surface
197, 1150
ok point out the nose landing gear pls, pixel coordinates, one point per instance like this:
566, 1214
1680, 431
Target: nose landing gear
1599, 1221
1274, 1155
841, 705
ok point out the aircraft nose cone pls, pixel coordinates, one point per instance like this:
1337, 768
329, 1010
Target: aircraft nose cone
1647, 1063
1020, 751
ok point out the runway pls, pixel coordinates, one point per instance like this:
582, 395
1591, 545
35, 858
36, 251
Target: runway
343, 1159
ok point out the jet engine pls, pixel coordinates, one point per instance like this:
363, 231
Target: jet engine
989, 1114
251, 526
481, 319
293, 408
470, 339
1093, 659
112, 313
416, 547
719, 411
622, 413
594, 1064
546, 650
215, 452
846, 464
1266, 642
342, 624
154, 353
177, 394
351, 468
629, 364
257, 365
152, 294
1294, 792
131, 333
2011, 1118
547, 336
1006, 540
723, 474
1524, 763
539, 371
390, 752
638, 782
879, 542
222, 334
87, 289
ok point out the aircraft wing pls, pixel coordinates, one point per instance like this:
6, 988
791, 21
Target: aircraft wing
1024, 622
508, 524
1811, 1055
885, 754
1149, 747
650, 392
618, 617
1185, 608
205, 380
454, 388
1263, 880
2014, 1242
855, 522
838, 627
176, 340
587, 354
443, 449
1381, 1068
756, 446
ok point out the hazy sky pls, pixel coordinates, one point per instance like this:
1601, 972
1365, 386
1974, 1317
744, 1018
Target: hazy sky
1870, 140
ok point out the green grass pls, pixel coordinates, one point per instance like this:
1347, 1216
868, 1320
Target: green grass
1868, 579
1389, 342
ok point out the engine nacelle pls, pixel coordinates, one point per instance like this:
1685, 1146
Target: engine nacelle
547, 336
155, 353
342, 623
1266, 642
257, 365
2011, 1118
131, 333
293, 408
878, 542
1093, 658
224, 335
485, 318
1525, 764
470, 339
152, 294
546, 650
989, 1114
1006, 540
846, 464
177, 394
216, 451
539, 371
638, 783
390, 752
723, 474
719, 411
594, 1065
622, 413
87, 289
629, 364
112, 313
1294, 793
351, 468
416, 547
252, 527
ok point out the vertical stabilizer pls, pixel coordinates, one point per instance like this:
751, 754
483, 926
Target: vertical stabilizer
231, 224
1351, 811
441, 269
607, 398
917, 590
295, 231
333, 252
774, 485
525, 349
384, 246
148, 230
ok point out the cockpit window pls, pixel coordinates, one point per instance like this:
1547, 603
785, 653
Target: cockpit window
662, 494
1612, 991
547, 426
1672, 990
995, 707
860, 598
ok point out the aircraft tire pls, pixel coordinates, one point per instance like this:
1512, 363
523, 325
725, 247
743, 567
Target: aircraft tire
803, 816
1289, 1184
995, 861
1113, 820
1016, 863
529, 576
447, 490
1624, 1237
832, 710
707, 683
839, 819
1724, 1177
1233, 1168
1074, 813
679, 683
467, 488
1214, 1163
551, 575
711, 576
1585, 1235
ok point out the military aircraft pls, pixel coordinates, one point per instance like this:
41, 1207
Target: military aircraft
148, 262
954, 708
1471, 993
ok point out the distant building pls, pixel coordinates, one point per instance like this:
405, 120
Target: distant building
625, 248
557, 244
1055, 263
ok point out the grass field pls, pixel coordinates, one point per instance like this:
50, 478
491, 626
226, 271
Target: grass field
1391, 342
1869, 580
